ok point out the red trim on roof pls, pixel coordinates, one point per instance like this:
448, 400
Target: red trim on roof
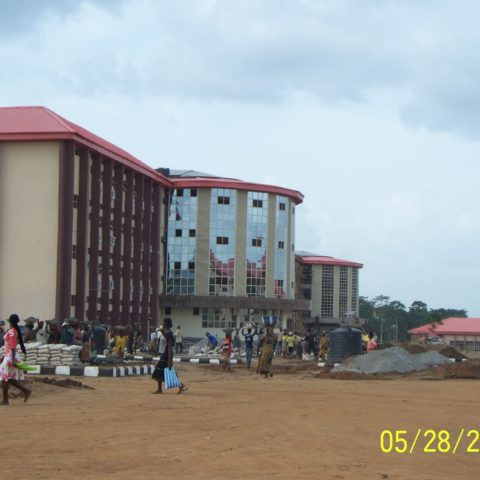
209, 182
20, 124
450, 326
327, 261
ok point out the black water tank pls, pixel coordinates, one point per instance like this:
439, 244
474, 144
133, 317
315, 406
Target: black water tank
343, 343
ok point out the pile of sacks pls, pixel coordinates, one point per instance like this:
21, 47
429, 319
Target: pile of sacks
40, 354
70, 355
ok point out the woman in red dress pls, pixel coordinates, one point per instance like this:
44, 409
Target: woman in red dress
9, 373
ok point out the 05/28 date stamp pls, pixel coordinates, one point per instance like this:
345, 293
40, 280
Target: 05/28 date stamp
430, 441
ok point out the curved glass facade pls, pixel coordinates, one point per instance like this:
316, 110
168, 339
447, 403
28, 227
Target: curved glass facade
281, 245
182, 233
223, 223
257, 238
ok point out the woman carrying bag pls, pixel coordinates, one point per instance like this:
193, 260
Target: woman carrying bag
11, 368
164, 371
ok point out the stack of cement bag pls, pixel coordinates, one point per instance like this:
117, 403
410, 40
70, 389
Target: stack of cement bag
56, 353
43, 355
70, 355
32, 352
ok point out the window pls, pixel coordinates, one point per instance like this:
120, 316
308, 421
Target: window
191, 265
196, 311
281, 245
193, 192
281, 206
280, 283
256, 242
179, 192
222, 240
178, 232
192, 232
168, 310
257, 203
177, 266
223, 200
74, 251
75, 201
72, 300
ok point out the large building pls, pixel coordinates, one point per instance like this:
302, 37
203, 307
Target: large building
230, 252
89, 231
81, 223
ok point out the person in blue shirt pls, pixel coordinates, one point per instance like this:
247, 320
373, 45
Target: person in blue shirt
249, 343
212, 341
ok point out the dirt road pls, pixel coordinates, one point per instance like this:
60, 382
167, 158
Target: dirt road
236, 426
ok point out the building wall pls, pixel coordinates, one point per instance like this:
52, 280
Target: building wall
333, 297
29, 181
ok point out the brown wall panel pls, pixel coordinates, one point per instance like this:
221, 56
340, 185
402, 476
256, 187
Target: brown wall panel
94, 217
127, 248
146, 242
65, 230
82, 240
117, 249
105, 223
137, 248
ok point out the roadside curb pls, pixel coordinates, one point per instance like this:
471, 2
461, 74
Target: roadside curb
114, 372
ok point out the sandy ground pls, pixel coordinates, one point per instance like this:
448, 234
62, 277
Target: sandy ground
236, 426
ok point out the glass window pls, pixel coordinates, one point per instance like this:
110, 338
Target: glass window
281, 236
327, 291
257, 239
223, 224
181, 253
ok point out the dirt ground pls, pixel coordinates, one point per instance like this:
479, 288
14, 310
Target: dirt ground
236, 426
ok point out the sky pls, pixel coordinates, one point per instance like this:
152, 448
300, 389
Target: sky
370, 108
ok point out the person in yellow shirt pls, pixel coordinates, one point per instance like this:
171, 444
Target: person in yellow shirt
290, 344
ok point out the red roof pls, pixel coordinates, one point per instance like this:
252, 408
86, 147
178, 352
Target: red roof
321, 260
450, 326
211, 182
41, 124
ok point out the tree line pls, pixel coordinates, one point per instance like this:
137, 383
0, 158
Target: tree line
391, 319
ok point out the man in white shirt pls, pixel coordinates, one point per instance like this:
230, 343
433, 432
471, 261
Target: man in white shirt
178, 340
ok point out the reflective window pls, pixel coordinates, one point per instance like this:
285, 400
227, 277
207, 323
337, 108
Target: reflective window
257, 231
223, 223
343, 307
182, 224
281, 233
354, 304
327, 291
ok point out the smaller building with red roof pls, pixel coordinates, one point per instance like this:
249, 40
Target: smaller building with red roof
332, 286
462, 333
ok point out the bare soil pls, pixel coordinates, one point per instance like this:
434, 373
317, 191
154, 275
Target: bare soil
297, 425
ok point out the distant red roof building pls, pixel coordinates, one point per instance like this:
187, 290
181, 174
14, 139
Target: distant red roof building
311, 259
449, 326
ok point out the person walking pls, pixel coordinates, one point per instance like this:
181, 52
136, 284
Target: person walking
165, 349
178, 340
9, 373
323, 345
372, 344
266, 357
227, 349
86, 345
249, 344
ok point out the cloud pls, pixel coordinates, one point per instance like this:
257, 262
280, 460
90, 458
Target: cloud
420, 53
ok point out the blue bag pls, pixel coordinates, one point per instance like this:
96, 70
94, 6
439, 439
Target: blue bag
171, 379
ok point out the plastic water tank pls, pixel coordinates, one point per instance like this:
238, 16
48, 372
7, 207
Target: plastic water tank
343, 343
270, 321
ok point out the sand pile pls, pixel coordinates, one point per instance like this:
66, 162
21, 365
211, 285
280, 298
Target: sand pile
395, 359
